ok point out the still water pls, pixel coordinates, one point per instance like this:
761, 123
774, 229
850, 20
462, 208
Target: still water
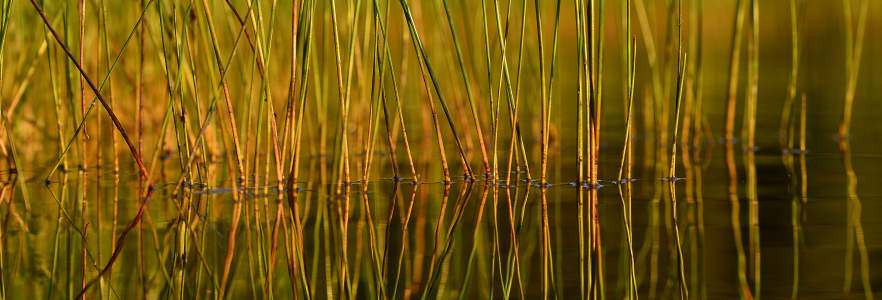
801, 224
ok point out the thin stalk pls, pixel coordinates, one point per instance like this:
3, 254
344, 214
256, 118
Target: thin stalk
626, 205
222, 70
17, 169
109, 110
467, 82
733, 69
795, 39
684, 291
854, 46
513, 97
418, 47
97, 98
753, 77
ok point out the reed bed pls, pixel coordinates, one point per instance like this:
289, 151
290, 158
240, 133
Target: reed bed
315, 165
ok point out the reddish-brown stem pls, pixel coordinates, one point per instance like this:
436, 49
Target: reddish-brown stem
109, 110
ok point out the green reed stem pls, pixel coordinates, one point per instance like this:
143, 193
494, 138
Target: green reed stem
854, 46
388, 57
733, 68
19, 170
795, 46
467, 82
513, 97
222, 70
418, 47
106, 79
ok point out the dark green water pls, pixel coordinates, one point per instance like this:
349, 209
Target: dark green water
801, 232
